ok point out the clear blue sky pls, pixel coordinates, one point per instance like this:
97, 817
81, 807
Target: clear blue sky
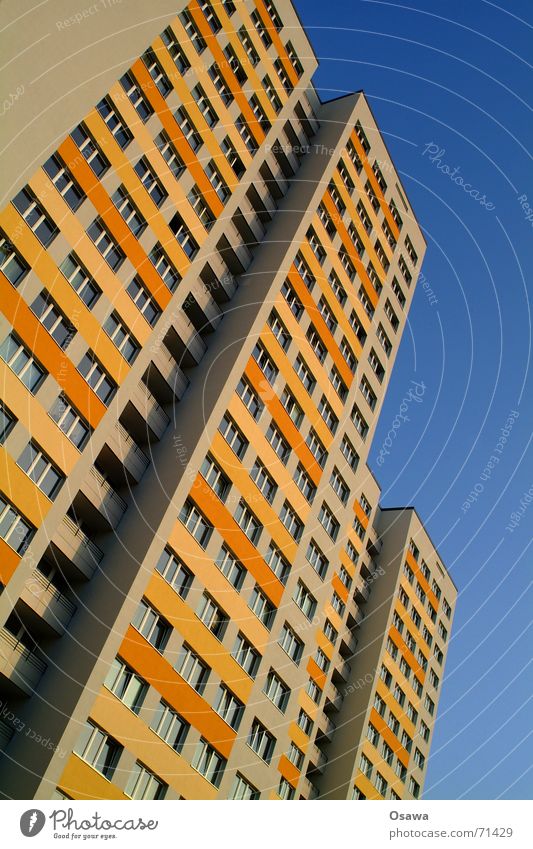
456, 75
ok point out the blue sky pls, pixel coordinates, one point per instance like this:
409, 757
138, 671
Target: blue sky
456, 76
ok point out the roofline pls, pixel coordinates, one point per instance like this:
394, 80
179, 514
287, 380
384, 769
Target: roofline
413, 509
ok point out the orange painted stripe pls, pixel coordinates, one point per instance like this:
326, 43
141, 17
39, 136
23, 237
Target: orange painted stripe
361, 515
316, 673
379, 723
237, 540
113, 220
352, 253
277, 42
9, 560
284, 421
49, 354
339, 588
155, 669
397, 639
226, 72
288, 770
320, 325
375, 185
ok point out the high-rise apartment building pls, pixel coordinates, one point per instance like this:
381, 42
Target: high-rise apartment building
204, 287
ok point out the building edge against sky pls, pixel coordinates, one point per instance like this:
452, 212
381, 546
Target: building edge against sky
204, 288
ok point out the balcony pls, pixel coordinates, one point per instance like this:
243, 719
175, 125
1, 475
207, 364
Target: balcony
46, 604
99, 495
203, 310
19, 664
143, 417
344, 670
317, 759
334, 697
356, 612
233, 251
6, 733
72, 547
126, 451
327, 728
218, 281
184, 342
374, 546
165, 378
308, 788
361, 592
350, 640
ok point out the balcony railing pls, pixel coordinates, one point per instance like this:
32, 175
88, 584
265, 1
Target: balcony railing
47, 601
103, 497
19, 664
132, 457
76, 546
154, 415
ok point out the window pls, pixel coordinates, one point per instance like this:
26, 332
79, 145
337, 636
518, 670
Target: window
436, 589
340, 206
229, 707
79, 279
183, 235
121, 337
233, 436
250, 399
352, 552
188, 129
305, 600
381, 784
143, 301
279, 330
175, 572
99, 749
247, 522
272, 94
447, 609
195, 523
126, 685
326, 313
278, 443
150, 182
173, 47
376, 366
7, 422
232, 157
414, 788
164, 267
337, 288
64, 181
170, 726
11, 263
215, 477
262, 607
339, 486
263, 481
304, 483
437, 653
392, 648
141, 105
304, 271
244, 131
305, 374
406, 741
424, 731
155, 70
291, 521
143, 784
259, 113
285, 790
212, 616
278, 563
291, 644
316, 447
443, 632
365, 766
265, 362
379, 705
385, 675
393, 723
348, 355
326, 411
221, 86
90, 150
399, 695
384, 340
295, 756
192, 669
35, 216
152, 626
208, 762
275, 18
110, 251
406, 274
354, 156
115, 123
21, 362
214, 177
313, 691
40, 470
243, 790
338, 604
391, 315
338, 384
328, 521
364, 217
305, 722
53, 319
368, 393
365, 300
246, 655
13, 528
170, 154
262, 32
230, 568
96, 377
204, 105
315, 245
246, 42
349, 453
277, 691
412, 713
